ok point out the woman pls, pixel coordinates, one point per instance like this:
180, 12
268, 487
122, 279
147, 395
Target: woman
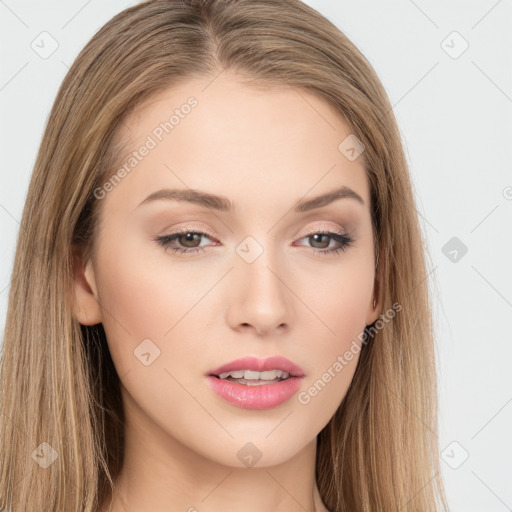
219, 298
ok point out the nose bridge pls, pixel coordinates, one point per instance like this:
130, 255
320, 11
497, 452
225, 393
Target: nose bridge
261, 295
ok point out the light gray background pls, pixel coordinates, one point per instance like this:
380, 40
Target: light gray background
455, 116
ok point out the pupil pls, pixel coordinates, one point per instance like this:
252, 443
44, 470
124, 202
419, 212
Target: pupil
320, 235
189, 238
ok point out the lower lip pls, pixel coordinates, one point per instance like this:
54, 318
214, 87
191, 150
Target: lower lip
264, 396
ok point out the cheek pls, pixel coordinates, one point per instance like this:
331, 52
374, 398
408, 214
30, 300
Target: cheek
340, 296
342, 308
334, 355
132, 295
139, 302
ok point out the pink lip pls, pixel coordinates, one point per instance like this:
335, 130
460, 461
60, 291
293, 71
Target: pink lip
260, 365
263, 396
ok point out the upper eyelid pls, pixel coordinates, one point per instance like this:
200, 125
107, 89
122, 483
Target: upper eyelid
317, 229
200, 231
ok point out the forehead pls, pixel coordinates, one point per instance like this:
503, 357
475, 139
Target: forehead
224, 135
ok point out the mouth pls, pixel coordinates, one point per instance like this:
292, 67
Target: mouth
253, 383
254, 371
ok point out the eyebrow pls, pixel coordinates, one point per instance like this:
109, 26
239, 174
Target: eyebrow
223, 204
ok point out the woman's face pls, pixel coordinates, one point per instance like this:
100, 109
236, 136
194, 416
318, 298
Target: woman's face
254, 280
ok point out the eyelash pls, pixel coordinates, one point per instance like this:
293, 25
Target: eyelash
342, 238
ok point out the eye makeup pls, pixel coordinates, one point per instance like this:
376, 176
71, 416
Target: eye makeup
174, 241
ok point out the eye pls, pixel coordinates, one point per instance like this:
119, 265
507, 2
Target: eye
187, 237
324, 239
190, 240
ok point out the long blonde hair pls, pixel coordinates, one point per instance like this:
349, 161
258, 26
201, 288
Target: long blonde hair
379, 452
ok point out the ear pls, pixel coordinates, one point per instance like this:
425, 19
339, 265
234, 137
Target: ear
85, 301
374, 308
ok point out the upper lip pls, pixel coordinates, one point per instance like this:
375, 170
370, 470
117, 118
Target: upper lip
260, 365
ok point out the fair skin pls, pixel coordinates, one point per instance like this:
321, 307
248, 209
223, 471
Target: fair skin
264, 151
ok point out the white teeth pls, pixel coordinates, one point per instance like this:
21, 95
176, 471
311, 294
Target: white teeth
238, 374
252, 375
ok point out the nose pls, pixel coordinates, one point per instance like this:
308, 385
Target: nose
260, 299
